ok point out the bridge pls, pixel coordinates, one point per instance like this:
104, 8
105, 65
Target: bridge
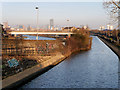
28, 32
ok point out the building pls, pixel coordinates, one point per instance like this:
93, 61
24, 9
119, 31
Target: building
29, 28
85, 27
12, 29
51, 24
6, 26
111, 27
101, 28
68, 29
78, 28
21, 27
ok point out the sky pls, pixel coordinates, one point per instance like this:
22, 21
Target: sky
52, 0
79, 13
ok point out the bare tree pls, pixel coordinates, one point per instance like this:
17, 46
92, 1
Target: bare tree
112, 7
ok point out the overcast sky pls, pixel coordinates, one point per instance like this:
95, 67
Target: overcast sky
78, 13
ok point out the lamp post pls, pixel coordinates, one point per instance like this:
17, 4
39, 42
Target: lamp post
68, 24
68, 29
37, 20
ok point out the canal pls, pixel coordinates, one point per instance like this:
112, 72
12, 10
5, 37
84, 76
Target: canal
96, 68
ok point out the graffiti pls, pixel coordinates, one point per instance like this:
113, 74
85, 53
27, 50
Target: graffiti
13, 63
43, 48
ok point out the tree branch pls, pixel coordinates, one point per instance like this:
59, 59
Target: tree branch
116, 4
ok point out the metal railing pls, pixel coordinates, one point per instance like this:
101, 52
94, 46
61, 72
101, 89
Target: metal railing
23, 51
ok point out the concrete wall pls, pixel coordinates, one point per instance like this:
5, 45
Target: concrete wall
115, 49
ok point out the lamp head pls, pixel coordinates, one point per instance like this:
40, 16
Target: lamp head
36, 7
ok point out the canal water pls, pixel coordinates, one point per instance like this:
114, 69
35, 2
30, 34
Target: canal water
96, 68
39, 38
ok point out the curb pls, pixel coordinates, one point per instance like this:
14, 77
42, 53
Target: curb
112, 47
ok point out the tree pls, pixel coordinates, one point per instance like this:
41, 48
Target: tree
2, 31
113, 9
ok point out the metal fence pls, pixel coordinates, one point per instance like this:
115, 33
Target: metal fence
29, 50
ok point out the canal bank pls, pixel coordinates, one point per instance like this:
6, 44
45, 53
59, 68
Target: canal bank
114, 48
96, 68
71, 70
29, 74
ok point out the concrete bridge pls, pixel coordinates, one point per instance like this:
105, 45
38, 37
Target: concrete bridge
28, 32
43, 32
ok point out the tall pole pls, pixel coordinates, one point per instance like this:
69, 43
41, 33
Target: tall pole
68, 25
37, 20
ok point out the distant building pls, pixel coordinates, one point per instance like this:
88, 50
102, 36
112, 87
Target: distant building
6, 26
111, 27
101, 28
29, 28
51, 24
85, 27
68, 29
21, 27
108, 26
56, 28
78, 28
12, 29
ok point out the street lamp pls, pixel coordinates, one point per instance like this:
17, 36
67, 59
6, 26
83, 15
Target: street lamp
68, 24
36, 8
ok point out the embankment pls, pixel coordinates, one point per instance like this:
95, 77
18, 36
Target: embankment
114, 48
28, 74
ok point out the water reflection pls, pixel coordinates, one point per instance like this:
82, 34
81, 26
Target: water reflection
96, 68
39, 38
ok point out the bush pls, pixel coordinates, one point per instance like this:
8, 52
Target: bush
80, 39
